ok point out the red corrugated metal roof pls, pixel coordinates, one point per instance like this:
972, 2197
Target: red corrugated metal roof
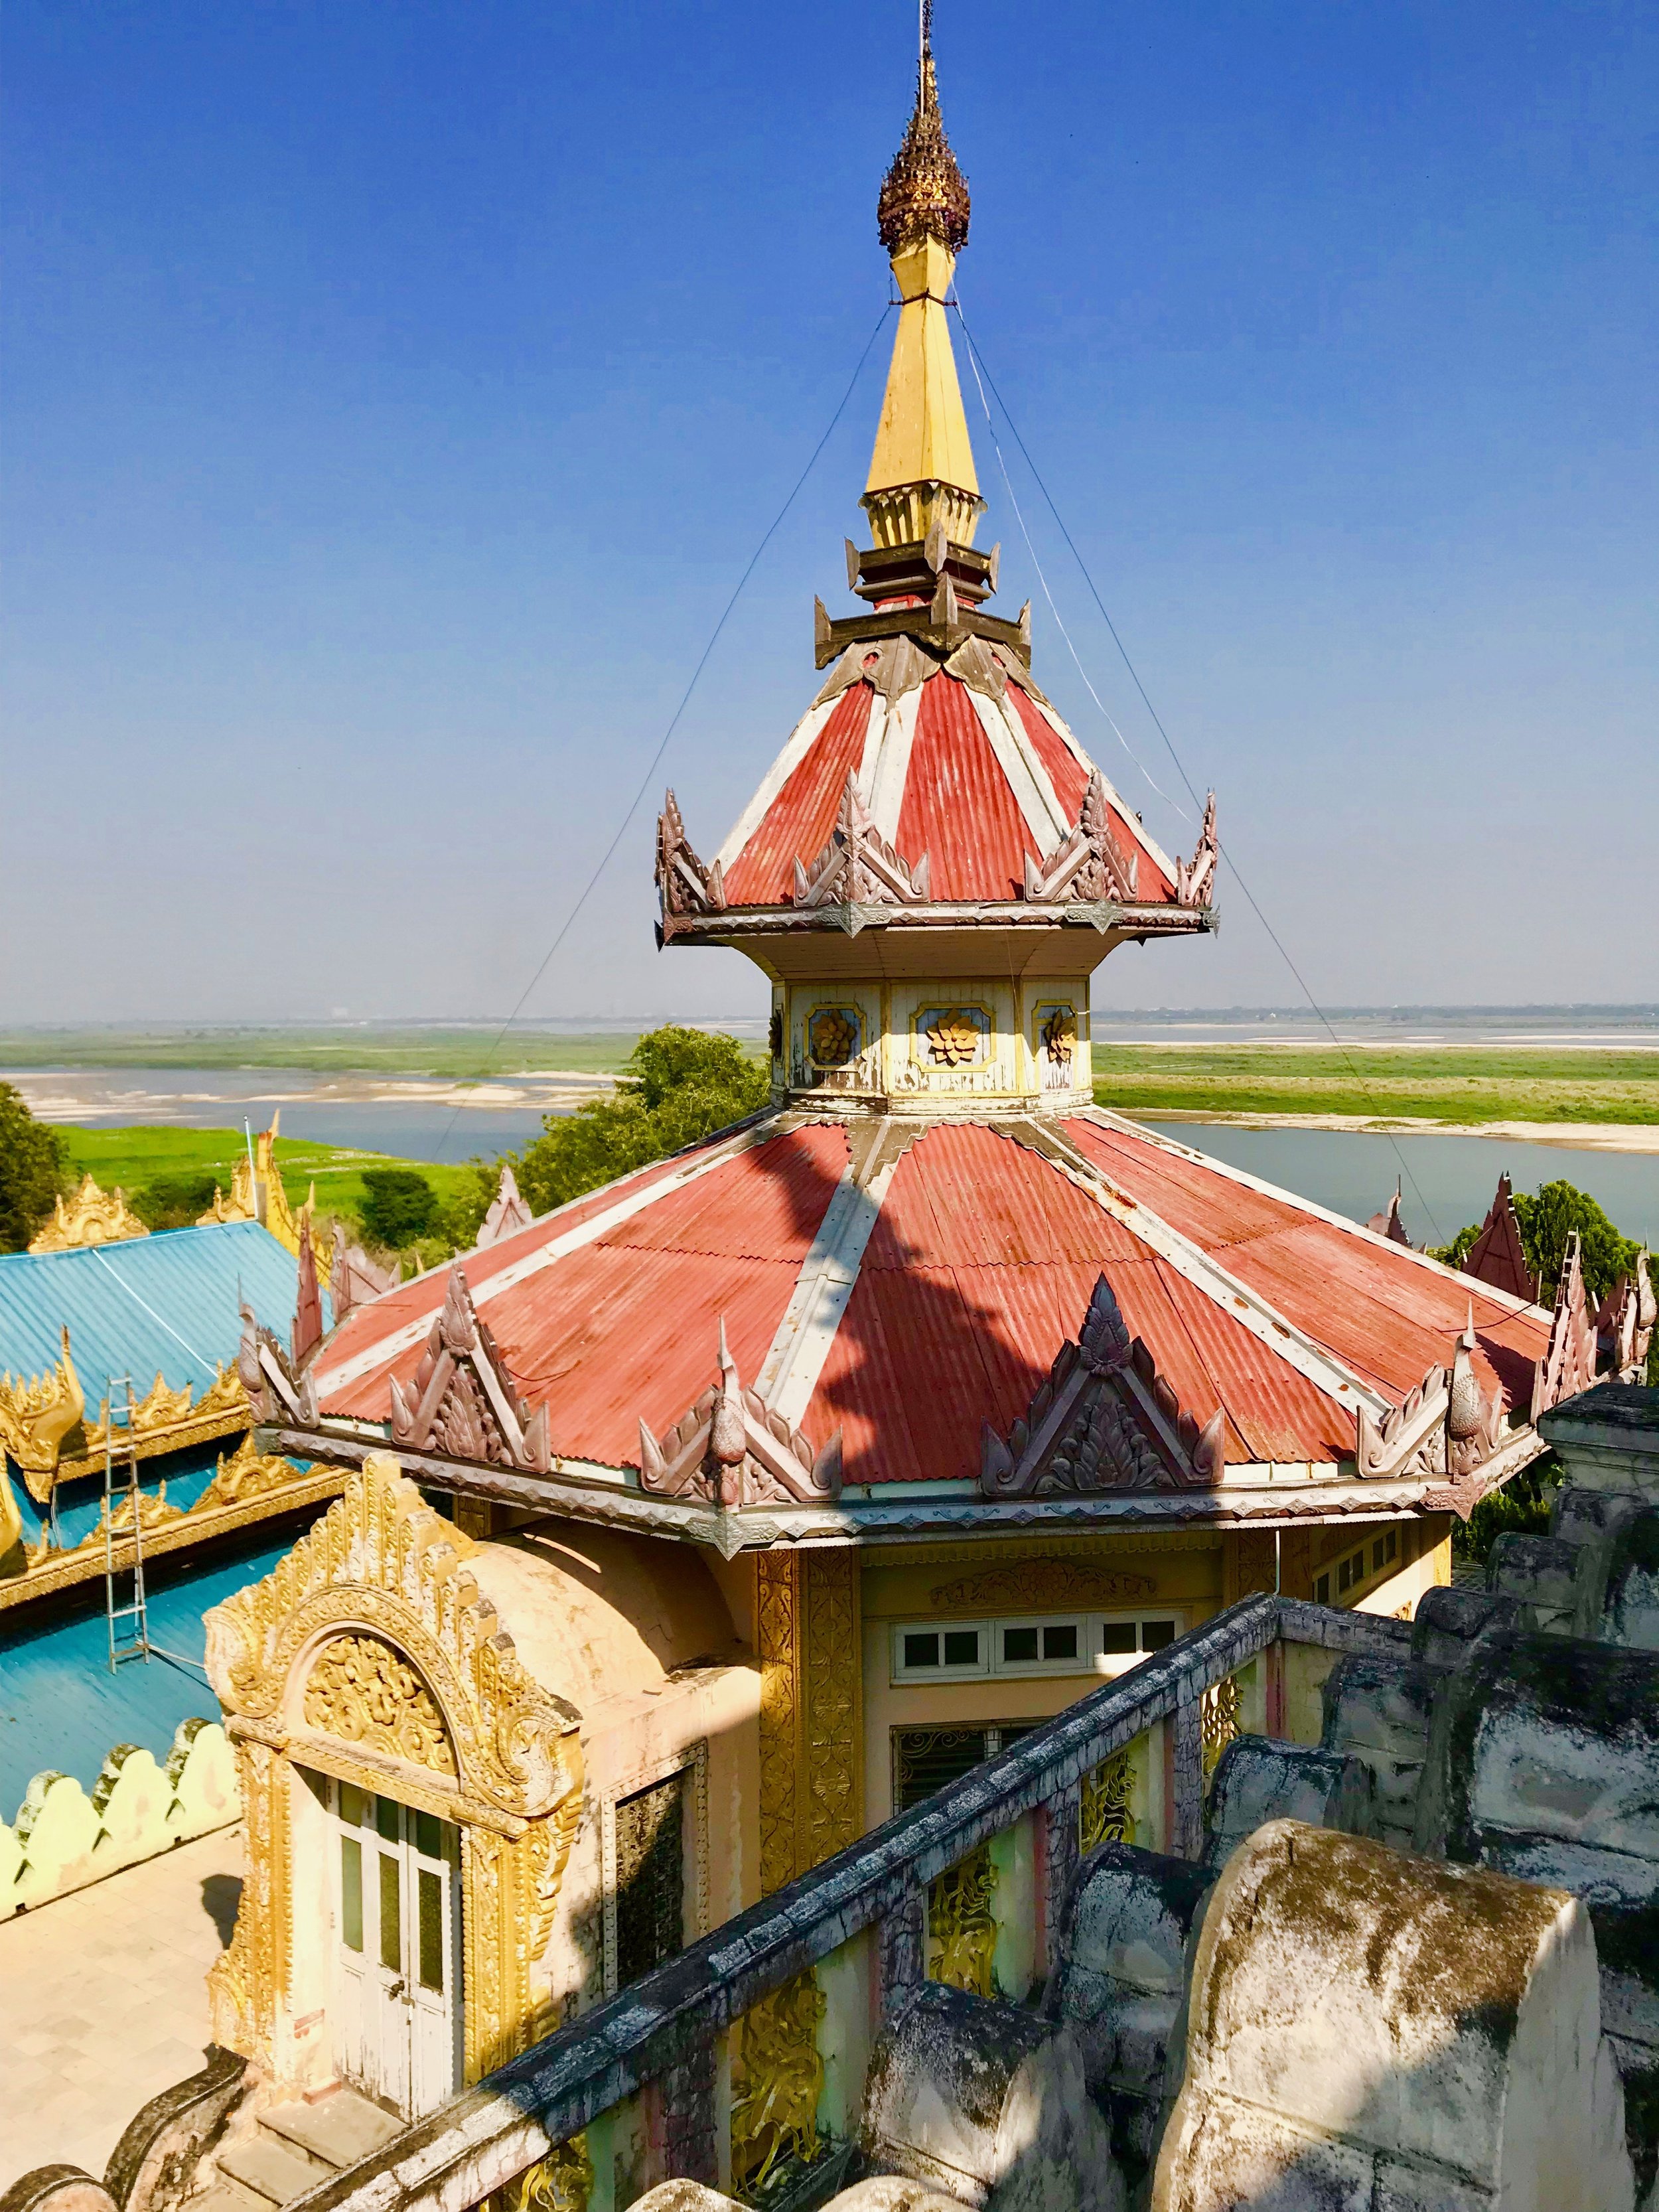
1380, 1311
1071, 779
799, 819
980, 1267
625, 1327
959, 807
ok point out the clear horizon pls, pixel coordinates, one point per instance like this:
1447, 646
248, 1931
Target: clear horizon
394, 399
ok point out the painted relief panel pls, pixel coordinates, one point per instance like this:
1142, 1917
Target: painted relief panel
960, 1038
1057, 1034
836, 1043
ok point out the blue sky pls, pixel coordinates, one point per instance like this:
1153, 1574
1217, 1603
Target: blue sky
393, 395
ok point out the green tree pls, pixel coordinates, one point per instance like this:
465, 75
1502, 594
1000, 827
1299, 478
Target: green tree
678, 1086
32, 1166
1546, 1221
399, 1205
174, 1201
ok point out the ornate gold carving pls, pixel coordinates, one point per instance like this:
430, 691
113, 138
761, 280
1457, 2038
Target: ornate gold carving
385, 1585
380, 1559
91, 1217
777, 2078
362, 1692
560, 2182
248, 1472
957, 1036
36, 1414
811, 1730
924, 194
832, 1035
1033, 1585
247, 1981
777, 1610
1218, 1723
239, 1207
1103, 1813
247, 1488
833, 1730
961, 1924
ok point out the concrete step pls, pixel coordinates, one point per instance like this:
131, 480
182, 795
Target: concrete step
270, 2172
221, 2198
338, 2132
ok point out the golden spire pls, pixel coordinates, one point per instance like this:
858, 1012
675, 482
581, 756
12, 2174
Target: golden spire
922, 469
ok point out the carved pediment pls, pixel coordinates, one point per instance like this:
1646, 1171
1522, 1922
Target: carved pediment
91, 1217
684, 885
1568, 1365
308, 1331
858, 866
462, 1401
1088, 865
1195, 878
1624, 1325
276, 1389
37, 1413
1496, 1256
356, 1281
508, 1214
1104, 1419
731, 1449
1445, 1427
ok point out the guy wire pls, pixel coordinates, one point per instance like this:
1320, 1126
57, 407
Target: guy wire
976, 362
647, 779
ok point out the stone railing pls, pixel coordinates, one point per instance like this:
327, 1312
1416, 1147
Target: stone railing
743, 2058
62, 1838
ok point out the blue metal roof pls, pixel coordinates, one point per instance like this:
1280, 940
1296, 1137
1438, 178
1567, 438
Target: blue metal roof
164, 1304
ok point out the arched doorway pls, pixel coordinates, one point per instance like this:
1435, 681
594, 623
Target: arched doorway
409, 1793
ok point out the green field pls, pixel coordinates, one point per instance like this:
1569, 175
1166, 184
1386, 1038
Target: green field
373, 1049
132, 1158
1439, 1085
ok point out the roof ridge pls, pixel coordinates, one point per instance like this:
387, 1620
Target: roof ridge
1313, 1361
1147, 1133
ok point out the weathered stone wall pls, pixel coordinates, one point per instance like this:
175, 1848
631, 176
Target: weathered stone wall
1370, 2029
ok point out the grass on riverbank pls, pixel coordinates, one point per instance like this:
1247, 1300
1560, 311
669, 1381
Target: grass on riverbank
1454, 1087
462, 1055
138, 1154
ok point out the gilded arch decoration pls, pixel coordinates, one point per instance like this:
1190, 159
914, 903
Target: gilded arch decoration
369, 1653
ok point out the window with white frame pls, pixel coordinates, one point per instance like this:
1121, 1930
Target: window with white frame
1035, 1644
1378, 1555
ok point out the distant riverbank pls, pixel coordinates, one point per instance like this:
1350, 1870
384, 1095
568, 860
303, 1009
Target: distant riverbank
1575, 1136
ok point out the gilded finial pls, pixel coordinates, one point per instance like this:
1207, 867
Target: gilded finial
924, 194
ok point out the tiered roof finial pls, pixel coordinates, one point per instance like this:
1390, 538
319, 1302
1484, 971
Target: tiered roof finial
924, 194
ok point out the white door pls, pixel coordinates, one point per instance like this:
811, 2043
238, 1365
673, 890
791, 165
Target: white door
398, 1950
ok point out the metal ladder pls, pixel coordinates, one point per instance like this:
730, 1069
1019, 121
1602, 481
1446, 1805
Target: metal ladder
121, 1461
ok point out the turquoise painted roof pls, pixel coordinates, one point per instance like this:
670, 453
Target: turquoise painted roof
165, 1305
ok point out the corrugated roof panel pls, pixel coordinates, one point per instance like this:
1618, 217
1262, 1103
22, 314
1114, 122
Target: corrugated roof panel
1381, 1312
965, 1195
959, 808
1070, 779
423, 1295
763, 1203
626, 1327
982, 1266
799, 819
164, 1304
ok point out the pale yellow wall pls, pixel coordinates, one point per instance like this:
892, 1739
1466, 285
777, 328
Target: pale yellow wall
894, 1060
1186, 1581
